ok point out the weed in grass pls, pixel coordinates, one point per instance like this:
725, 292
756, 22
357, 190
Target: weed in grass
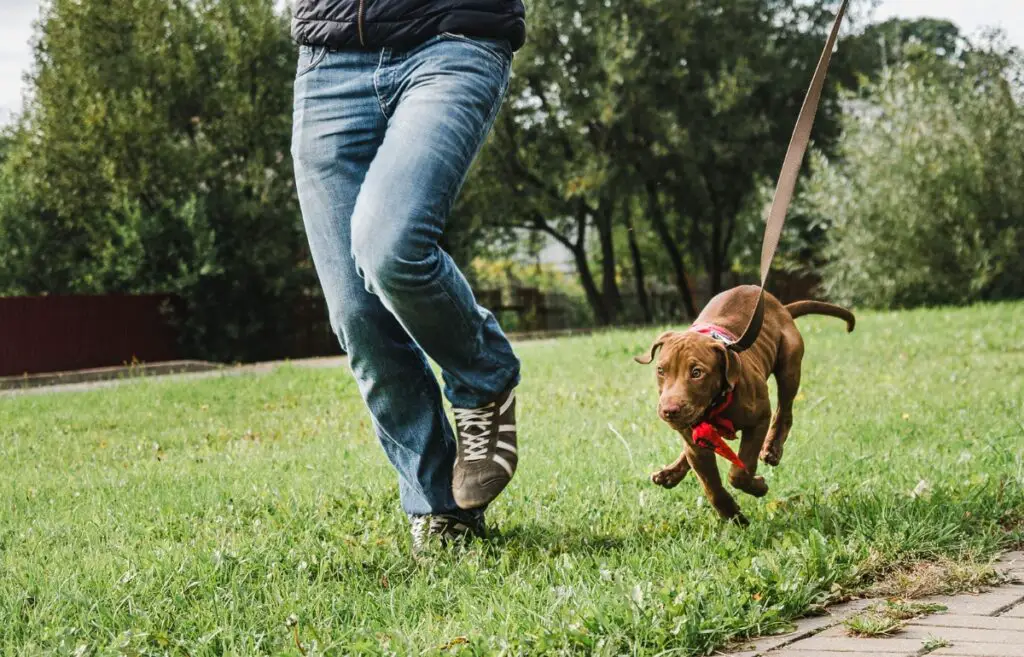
905, 610
939, 576
871, 624
886, 618
934, 643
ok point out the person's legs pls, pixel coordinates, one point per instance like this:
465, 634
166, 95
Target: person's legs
441, 99
338, 128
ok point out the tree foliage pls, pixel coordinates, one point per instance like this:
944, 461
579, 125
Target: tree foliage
153, 157
925, 202
644, 136
649, 116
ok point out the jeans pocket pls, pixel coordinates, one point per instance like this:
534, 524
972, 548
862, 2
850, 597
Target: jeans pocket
499, 49
309, 58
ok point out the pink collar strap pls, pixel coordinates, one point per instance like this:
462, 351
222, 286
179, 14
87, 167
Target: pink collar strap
717, 332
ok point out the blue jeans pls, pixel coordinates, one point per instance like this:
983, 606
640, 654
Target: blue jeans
382, 142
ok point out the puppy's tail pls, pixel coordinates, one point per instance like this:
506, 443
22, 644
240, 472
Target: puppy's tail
801, 308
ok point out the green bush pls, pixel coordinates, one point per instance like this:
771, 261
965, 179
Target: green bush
925, 203
153, 156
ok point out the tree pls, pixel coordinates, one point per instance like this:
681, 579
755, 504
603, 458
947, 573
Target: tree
925, 201
901, 40
153, 157
677, 106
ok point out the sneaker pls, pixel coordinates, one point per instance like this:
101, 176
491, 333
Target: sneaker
487, 455
446, 530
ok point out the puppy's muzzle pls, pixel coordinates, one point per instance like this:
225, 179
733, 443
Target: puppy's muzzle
678, 415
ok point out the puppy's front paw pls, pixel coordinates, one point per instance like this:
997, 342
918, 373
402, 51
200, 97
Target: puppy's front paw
668, 477
758, 487
771, 452
740, 520
755, 486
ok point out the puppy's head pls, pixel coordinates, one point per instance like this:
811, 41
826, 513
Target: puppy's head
692, 371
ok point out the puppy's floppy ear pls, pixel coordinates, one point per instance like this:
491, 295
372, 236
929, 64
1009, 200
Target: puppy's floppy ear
647, 359
731, 365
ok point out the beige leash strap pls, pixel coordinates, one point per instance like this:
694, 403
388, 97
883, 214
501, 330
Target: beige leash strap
787, 181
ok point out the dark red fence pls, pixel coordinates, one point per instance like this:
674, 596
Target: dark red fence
59, 333
64, 333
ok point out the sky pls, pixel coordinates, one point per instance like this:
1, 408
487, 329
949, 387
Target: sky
17, 16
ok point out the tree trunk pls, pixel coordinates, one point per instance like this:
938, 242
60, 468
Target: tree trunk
715, 275
657, 215
594, 296
609, 285
578, 249
638, 270
715, 268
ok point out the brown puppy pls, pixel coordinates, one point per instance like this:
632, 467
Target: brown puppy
696, 370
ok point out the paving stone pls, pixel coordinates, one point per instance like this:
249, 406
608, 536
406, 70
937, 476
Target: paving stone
806, 627
979, 650
1010, 589
785, 652
983, 604
1012, 565
979, 622
1014, 575
962, 634
837, 630
850, 608
819, 644
989, 624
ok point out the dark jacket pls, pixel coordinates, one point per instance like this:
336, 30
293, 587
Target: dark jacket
404, 23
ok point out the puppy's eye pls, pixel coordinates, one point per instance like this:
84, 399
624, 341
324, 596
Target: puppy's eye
696, 372
661, 371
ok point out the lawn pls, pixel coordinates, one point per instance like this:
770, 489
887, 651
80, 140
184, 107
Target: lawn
234, 516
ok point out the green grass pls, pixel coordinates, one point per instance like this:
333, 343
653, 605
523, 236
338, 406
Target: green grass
234, 516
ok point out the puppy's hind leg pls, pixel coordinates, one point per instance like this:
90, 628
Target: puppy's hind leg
787, 379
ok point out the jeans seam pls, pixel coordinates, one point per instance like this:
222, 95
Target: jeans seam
475, 326
317, 57
376, 83
495, 57
429, 380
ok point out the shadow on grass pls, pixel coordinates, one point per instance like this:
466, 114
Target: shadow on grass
548, 540
897, 529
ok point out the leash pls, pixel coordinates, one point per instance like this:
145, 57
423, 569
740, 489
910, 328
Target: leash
787, 181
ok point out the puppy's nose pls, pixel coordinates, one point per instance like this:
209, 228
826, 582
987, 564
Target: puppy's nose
669, 411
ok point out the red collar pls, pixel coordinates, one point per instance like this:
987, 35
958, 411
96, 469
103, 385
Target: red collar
710, 432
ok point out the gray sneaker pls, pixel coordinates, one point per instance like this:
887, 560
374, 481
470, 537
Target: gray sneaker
487, 456
446, 530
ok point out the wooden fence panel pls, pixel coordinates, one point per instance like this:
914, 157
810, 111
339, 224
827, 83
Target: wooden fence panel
61, 333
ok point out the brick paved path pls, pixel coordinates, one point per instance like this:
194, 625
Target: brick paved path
989, 624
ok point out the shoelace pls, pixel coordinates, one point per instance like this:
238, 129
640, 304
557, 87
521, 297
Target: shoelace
423, 527
474, 445
419, 531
